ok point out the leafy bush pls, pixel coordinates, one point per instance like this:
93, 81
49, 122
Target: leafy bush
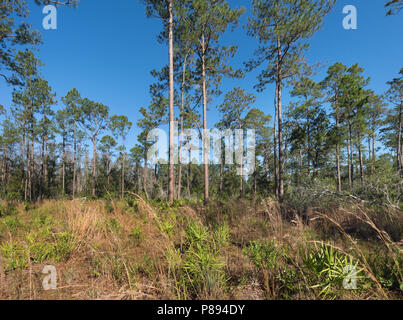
63, 245
329, 268
167, 227
203, 268
14, 255
263, 254
45, 246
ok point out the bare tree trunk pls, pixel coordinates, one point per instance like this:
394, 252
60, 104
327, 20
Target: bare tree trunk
32, 162
171, 174
4, 168
7, 171
26, 175
280, 128
108, 170
94, 166
22, 146
85, 173
189, 175
138, 179
338, 157
400, 143
181, 127
30, 158
64, 166
45, 169
349, 165
123, 169
221, 173
308, 134
360, 159
351, 159
180, 161
145, 176
28, 169
280, 149
79, 186
42, 169
275, 144
42, 173
241, 171
241, 189
373, 151
94, 154
255, 180
75, 160
205, 146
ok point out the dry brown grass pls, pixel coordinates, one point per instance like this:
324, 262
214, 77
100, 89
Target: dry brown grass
138, 252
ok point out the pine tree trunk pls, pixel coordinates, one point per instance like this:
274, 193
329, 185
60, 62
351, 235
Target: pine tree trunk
4, 168
351, 159
180, 160
189, 175
42, 173
94, 166
280, 128
400, 143
181, 127
338, 155
171, 177
32, 163
22, 146
221, 174
27, 170
7, 171
241, 169
205, 146
361, 160
85, 173
64, 166
280, 149
79, 177
275, 144
255, 180
373, 150
45, 169
308, 133
108, 171
241, 178
123, 169
145, 176
75, 159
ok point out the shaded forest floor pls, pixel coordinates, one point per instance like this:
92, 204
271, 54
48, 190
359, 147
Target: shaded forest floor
235, 249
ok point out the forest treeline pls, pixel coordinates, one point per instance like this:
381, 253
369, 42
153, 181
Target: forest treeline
335, 132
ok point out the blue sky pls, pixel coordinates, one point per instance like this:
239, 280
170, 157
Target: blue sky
106, 49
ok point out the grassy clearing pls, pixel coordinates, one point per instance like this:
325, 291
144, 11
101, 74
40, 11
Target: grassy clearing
229, 250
